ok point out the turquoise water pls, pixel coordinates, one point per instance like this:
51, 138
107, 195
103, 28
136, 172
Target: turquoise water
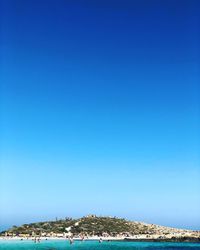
94, 245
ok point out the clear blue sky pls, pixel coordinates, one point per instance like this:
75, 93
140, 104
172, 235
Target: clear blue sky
99, 110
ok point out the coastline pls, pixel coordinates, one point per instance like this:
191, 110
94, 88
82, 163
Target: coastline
107, 239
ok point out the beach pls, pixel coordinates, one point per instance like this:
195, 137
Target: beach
184, 237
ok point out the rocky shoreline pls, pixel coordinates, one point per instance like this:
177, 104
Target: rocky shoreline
184, 239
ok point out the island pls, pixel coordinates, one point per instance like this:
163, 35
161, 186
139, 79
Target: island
105, 228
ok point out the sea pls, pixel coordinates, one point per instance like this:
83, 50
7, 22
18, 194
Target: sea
94, 245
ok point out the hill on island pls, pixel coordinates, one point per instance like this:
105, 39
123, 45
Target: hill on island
92, 225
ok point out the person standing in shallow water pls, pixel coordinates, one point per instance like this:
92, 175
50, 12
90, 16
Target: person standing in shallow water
71, 240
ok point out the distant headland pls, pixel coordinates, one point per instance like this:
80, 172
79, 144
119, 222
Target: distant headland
94, 227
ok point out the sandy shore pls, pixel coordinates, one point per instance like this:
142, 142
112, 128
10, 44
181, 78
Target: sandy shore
154, 238
97, 238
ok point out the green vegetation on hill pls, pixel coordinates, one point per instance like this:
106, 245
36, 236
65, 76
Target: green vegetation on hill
57, 226
90, 225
